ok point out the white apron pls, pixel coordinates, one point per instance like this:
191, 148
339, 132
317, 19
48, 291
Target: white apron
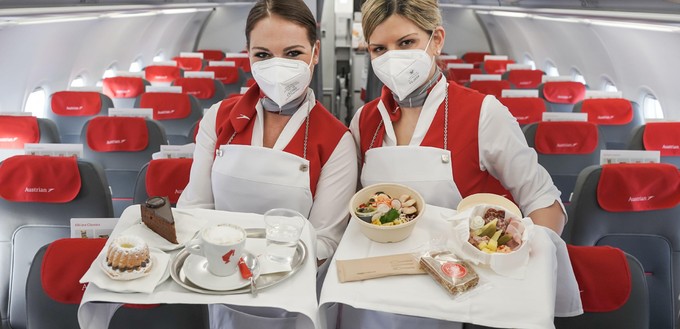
428, 171
255, 179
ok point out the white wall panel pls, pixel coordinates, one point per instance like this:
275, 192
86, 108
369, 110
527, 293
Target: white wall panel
463, 31
50, 55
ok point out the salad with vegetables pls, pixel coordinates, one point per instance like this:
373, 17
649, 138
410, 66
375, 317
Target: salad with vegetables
382, 209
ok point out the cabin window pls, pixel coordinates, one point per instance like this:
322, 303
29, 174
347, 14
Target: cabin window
136, 66
551, 69
577, 76
35, 103
530, 61
79, 81
651, 107
110, 72
160, 56
608, 85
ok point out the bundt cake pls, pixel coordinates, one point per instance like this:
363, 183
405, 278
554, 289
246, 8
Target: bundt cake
127, 258
157, 215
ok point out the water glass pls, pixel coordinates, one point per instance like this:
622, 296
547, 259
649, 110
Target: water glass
283, 228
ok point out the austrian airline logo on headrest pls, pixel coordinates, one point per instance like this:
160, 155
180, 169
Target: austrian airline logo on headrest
166, 112
115, 141
38, 189
74, 108
663, 147
524, 83
564, 96
522, 118
8, 139
122, 91
605, 117
640, 198
161, 77
179, 191
567, 144
196, 92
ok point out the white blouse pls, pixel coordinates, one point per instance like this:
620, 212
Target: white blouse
336, 185
503, 150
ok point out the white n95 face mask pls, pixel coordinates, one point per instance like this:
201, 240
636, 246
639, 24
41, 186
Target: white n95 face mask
281, 79
403, 71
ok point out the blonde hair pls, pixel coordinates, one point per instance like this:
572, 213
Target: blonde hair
423, 13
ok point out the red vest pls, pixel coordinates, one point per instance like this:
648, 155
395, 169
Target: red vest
325, 131
464, 109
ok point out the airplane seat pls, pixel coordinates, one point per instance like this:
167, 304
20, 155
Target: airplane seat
523, 79
38, 197
495, 66
122, 145
162, 177
212, 54
243, 64
617, 118
442, 63
462, 76
17, 130
562, 95
124, 90
189, 63
162, 75
489, 87
474, 57
634, 207
659, 136
525, 109
229, 76
614, 289
174, 111
564, 148
71, 109
207, 91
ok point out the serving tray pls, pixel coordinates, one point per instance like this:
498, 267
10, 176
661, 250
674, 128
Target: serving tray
262, 282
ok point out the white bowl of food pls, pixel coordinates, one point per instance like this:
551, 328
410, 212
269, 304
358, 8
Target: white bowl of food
386, 212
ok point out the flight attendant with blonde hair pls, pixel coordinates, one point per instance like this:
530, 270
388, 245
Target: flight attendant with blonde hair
444, 140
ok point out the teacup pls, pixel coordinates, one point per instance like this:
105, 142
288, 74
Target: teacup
222, 246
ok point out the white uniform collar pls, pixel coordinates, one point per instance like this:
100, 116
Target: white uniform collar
291, 128
432, 103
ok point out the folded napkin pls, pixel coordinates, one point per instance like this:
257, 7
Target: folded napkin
512, 264
159, 272
186, 226
258, 247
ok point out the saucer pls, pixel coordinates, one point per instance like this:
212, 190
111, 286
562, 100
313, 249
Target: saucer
196, 270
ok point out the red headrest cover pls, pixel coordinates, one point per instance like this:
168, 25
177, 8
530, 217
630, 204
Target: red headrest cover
156, 73
608, 111
566, 137
224, 74
36, 178
168, 177
189, 63
497, 66
123, 87
212, 55
603, 277
525, 109
474, 57
76, 103
525, 79
663, 137
564, 92
638, 187
462, 76
201, 88
242, 62
117, 134
64, 263
490, 87
167, 106
15, 131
